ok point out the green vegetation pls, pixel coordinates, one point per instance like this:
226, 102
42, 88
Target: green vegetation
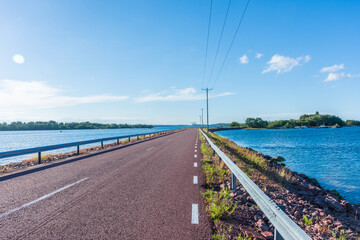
219, 205
234, 124
52, 125
251, 160
352, 123
308, 221
256, 123
342, 235
311, 120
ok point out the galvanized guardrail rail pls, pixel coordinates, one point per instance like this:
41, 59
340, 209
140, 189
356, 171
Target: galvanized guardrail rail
38, 150
283, 224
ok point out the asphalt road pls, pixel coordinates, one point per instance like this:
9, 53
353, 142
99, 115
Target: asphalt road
142, 191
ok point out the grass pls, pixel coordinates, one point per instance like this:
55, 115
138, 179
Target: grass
219, 205
308, 221
275, 171
342, 235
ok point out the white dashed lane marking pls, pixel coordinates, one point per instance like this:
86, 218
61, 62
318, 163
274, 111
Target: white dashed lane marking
195, 180
195, 164
195, 214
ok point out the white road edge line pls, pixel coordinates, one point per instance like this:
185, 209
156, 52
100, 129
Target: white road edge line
41, 198
195, 214
195, 164
150, 148
195, 180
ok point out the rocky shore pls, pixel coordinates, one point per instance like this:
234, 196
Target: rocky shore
321, 213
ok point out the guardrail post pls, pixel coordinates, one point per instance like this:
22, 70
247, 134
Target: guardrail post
137, 137
77, 149
129, 139
102, 144
39, 157
219, 159
117, 141
233, 181
277, 235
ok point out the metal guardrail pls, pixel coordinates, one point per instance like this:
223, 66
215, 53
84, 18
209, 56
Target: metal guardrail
66, 145
287, 228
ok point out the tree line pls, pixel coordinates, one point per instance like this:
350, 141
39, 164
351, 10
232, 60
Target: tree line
311, 120
53, 125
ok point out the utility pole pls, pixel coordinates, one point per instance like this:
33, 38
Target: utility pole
202, 117
207, 107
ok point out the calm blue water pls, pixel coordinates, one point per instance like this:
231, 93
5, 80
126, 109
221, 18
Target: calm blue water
14, 140
332, 156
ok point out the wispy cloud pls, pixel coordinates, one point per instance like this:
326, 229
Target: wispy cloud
282, 64
337, 76
186, 94
334, 75
333, 68
259, 55
24, 95
244, 59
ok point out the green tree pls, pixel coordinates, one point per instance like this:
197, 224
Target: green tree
256, 123
234, 124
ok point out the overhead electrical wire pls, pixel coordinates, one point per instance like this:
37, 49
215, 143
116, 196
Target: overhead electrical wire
207, 42
231, 44
218, 46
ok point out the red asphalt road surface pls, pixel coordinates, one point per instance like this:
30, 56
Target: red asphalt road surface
142, 191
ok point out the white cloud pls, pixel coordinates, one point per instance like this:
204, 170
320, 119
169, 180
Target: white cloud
282, 64
26, 95
259, 55
337, 76
186, 94
19, 59
307, 58
333, 68
244, 59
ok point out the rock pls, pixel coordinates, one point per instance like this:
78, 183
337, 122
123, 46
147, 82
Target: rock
297, 214
333, 204
267, 234
349, 208
262, 225
267, 157
279, 159
257, 217
319, 200
249, 199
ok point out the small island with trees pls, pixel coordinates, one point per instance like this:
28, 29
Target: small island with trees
53, 125
316, 120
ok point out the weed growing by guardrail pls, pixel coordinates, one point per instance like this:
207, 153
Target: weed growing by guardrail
308, 221
219, 204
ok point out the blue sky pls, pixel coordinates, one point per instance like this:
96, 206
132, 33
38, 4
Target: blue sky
142, 61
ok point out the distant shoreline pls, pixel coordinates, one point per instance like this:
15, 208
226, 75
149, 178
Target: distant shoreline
53, 125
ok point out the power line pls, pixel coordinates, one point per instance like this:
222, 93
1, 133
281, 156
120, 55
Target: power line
218, 46
207, 41
232, 42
